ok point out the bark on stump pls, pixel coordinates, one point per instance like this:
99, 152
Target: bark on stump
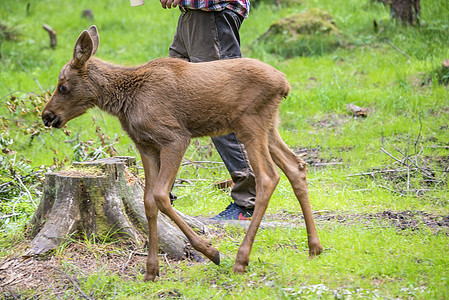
100, 198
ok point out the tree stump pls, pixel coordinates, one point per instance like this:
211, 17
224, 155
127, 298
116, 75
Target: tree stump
101, 199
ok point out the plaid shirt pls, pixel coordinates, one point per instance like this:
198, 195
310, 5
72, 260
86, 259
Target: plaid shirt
240, 7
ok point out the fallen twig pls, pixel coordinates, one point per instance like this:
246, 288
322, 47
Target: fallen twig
166, 259
77, 287
26, 190
391, 190
115, 293
438, 146
327, 164
424, 171
49, 285
126, 263
91, 292
378, 172
9, 216
362, 190
396, 159
397, 49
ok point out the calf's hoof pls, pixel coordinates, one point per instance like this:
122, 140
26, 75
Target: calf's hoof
238, 268
215, 258
149, 277
315, 248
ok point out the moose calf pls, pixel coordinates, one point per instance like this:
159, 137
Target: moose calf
163, 104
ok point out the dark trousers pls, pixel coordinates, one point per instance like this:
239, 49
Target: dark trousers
205, 36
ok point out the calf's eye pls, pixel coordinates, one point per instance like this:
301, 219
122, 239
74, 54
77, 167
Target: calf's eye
62, 89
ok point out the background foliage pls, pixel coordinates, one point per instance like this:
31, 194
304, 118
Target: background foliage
378, 184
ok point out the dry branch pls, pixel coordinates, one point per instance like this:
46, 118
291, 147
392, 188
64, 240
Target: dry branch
378, 172
398, 50
357, 111
415, 172
327, 163
77, 287
52, 35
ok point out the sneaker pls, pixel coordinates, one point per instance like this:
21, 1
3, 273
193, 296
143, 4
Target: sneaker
235, 212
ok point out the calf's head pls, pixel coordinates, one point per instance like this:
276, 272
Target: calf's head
75, 92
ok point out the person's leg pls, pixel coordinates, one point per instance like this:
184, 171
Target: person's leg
196, 37
177, 48
234, 156
205, 36
229, 147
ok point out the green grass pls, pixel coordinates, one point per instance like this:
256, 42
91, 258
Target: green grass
359, 261
408, 117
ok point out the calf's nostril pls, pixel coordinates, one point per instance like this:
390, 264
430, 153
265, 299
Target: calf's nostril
48, 118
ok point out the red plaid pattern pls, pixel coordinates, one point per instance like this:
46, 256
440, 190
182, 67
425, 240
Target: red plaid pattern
239, 7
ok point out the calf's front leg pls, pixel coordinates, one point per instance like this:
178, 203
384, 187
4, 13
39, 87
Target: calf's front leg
170, 159
150, 164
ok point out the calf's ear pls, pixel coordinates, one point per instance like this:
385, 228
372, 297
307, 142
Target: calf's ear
95, 38
82, 51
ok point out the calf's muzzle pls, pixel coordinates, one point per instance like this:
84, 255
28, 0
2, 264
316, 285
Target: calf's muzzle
51, 119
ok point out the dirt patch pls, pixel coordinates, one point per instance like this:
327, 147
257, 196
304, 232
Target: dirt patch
55, 275
402, 220
330, 120
441, 162
413, 219
313, 157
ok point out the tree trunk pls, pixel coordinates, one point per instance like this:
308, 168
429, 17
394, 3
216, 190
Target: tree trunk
101, 199
407, 11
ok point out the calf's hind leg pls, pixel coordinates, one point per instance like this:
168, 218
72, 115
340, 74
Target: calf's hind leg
267, 178
295, 170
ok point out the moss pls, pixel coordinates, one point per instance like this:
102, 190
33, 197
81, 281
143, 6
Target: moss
313, 21
313, 32
102, 225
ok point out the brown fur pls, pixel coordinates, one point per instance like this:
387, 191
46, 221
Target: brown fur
166, 102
